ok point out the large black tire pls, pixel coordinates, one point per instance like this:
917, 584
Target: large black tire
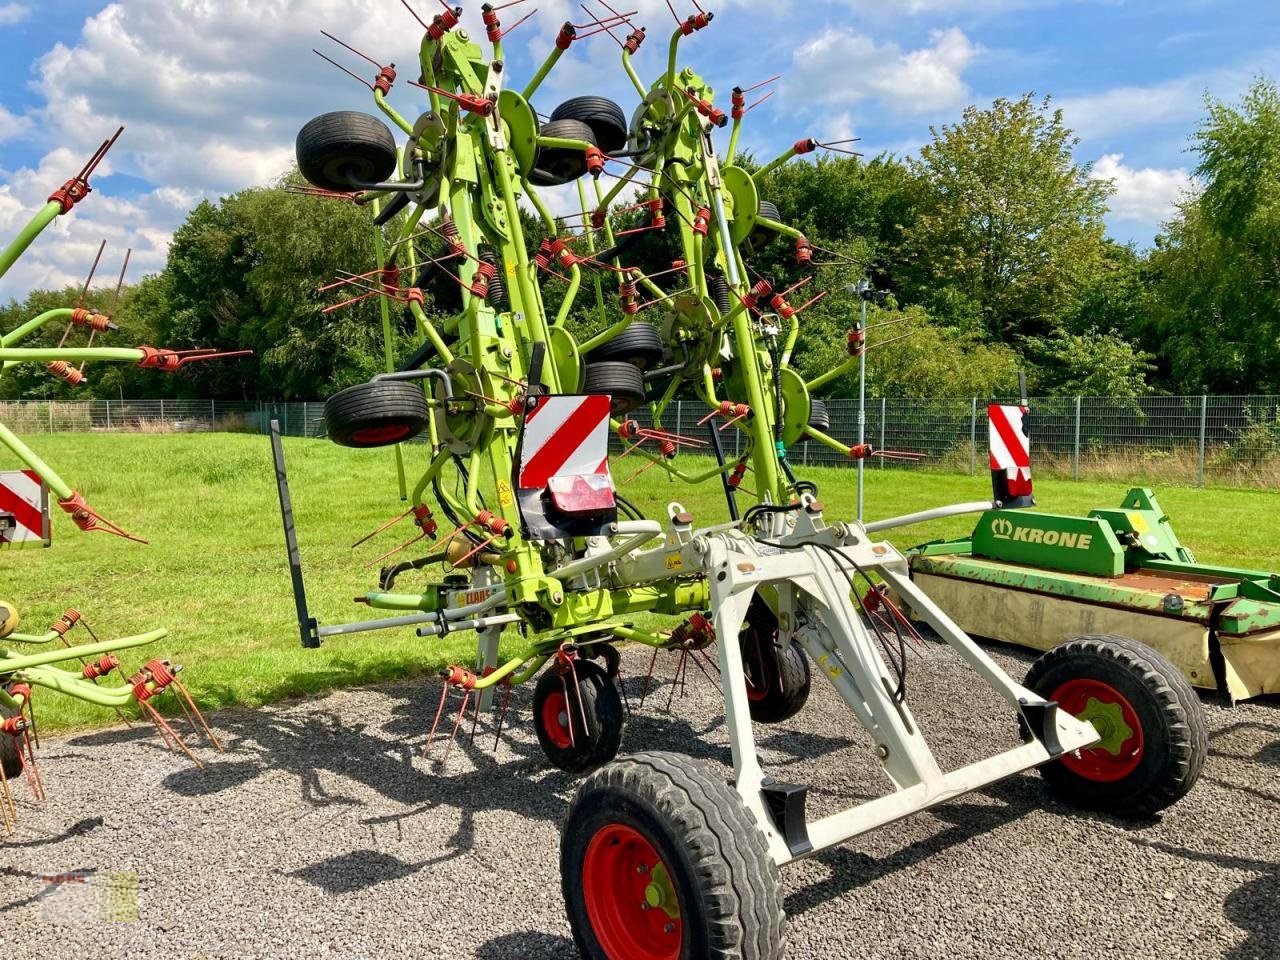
819, 418
335, 150
763, 236
622, 381
557, 712
640, 345
10, 755
664, 830
376, 414
778, 678
1153, 725
557, 165
605, 118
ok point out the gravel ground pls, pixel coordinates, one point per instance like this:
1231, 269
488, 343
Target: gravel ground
323, 832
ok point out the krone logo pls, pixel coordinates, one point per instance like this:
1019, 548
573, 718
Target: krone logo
1001, 529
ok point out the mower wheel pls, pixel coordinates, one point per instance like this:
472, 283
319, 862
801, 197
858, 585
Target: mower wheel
762, 236
579, 730
376, 414
660, 859
623, 382
778, 678
10, 755
554, 166
639, 344
819, 418
337, 149
605, 118
1154, 737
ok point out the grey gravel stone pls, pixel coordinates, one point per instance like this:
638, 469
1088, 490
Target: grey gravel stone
323, 832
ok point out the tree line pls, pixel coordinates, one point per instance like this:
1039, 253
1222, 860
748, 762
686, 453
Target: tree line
988, 250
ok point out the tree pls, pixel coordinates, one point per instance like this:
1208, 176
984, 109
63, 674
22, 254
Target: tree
1009, 227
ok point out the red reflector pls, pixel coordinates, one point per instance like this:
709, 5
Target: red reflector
591, 493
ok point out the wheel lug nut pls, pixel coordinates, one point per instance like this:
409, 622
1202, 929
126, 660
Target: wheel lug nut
641, 868
644, 905
669, 928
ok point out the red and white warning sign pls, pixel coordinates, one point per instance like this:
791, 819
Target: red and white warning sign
24, 509
565, 450
1010, 450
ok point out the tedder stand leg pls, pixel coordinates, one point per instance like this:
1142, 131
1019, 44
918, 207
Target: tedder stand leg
306, 625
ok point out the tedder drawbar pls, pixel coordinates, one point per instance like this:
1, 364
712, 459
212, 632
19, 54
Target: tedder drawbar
29, 660
661, 858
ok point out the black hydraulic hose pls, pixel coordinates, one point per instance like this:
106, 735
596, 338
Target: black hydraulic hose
730, 494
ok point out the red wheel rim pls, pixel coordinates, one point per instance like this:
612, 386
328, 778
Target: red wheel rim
385, 434
1120, 751
555, 720
621, 872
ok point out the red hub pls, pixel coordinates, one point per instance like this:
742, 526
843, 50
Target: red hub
630, 898
390, 433
1119, 751
555, 720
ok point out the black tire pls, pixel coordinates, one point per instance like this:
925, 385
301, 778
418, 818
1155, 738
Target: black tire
592, 745
1154, 765
640, 345
662, 810
622, 381
819, 418
376, 414
338, 148
763, 236
605, 118
778, 678
10, 756
557, 165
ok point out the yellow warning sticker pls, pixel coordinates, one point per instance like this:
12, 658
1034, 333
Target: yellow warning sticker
1138, 521
504, 493
675, 561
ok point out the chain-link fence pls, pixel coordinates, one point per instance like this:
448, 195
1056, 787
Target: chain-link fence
1232, 441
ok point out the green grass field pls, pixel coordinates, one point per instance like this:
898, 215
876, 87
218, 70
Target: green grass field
215, 574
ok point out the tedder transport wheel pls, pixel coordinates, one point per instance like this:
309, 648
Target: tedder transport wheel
819, 418
376, 414
579, 730
777, 678
337, 150
762, 236
10, 756
1154, 738
639, 344
660, 860
622, 381
605, 118
557, 165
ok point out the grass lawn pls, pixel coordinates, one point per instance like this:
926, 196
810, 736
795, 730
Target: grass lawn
215, 574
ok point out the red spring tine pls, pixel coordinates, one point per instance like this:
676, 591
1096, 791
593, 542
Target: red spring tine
502, 715
84, 291
92, 165
606, 29
8, 810
532, 13
186, 695
431, 735
363, 56
390, 523
349, 73
414, 13
462, 711
836, 146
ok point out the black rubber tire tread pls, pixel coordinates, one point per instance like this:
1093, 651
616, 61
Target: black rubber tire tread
345, 140
730, 888
554, 166
1174, 726
605, 118
372, 405
819, 418
786, 677
640, 345
10, 757
599, 742
763, 236
622, 381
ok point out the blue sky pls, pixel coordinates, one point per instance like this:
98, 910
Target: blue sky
211, 94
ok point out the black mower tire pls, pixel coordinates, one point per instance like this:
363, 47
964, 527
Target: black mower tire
605, 118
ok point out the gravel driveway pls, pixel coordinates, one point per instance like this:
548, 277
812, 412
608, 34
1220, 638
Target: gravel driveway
323, 832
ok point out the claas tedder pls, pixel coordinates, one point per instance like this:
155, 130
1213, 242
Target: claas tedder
518, 506
49, 659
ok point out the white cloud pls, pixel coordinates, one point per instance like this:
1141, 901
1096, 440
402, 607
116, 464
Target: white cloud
12, 125
843, 67
1147, 196
13, 13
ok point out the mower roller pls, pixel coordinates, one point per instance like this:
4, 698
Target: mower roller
661, 858
32, 660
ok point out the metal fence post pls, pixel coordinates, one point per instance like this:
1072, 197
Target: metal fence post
973, 438
1075, 469
108, 414
213, 413
882, 417
1204, 410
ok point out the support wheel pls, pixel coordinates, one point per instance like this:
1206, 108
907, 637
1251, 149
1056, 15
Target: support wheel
660, 859
376, 414
623, 382
579, 730
639, 344
10, 755
762, 236
338, 151
819, 418
778, 678
1152, 725
554, 166
605, 118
